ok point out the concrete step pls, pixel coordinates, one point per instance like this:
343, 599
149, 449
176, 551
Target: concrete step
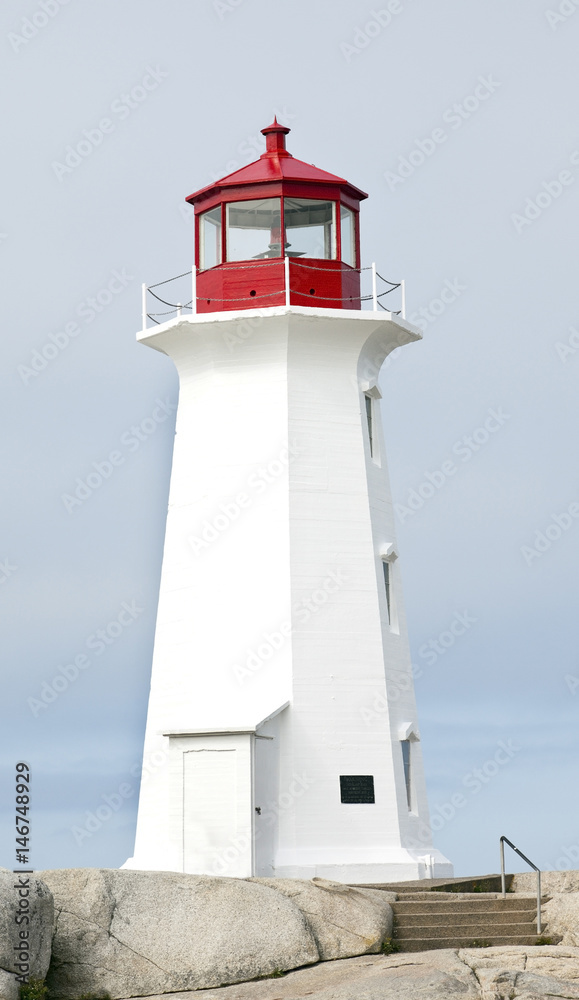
465, 906
489, 918
480, 883
465, 928
416, 897
478, 941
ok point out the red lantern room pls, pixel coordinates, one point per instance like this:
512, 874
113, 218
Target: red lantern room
277, 232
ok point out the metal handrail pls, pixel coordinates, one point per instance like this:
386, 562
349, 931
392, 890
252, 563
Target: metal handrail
505, 840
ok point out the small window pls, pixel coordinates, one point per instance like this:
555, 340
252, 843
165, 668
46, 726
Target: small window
348, 234
310, 228
357, 789
370, 421
388, 588
210, 238
406, 754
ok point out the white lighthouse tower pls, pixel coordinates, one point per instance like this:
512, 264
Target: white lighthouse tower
282, 736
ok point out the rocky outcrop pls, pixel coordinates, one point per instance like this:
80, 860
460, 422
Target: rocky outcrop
345, 921
561, 918
530, 973
139, 933
26, 924
551, 882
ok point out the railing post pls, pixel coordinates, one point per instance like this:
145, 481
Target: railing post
144, 305
534, 867
287, 279
179, 308
193, 290
503, 889
403, 287
374, 289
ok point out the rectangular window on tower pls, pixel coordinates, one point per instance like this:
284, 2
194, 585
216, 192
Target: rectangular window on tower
370, 420
348, 231
210, 239
387, 569
406, 756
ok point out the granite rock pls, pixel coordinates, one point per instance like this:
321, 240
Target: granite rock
345, 921
137, 933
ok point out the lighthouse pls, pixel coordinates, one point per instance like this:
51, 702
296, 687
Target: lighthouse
281, 738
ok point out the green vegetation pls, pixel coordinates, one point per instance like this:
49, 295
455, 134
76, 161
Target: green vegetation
389, 946
480, 944
34, 989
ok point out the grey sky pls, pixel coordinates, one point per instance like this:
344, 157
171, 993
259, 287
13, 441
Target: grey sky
212, 76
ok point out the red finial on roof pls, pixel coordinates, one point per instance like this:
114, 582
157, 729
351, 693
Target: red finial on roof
275, 138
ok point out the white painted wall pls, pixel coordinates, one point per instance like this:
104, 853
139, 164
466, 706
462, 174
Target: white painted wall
272, 591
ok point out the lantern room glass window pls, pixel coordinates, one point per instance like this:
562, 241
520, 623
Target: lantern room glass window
210, 239
348, 236
254, 229
310, 228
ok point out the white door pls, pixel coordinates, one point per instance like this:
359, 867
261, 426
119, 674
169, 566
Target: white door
210, 811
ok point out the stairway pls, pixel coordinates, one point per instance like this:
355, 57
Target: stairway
426, 920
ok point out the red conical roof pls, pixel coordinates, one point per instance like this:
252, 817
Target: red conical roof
276, 164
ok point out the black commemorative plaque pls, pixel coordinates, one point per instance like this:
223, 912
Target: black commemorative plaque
357, 788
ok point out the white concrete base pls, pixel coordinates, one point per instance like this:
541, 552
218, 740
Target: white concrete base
404, 869
350, 874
